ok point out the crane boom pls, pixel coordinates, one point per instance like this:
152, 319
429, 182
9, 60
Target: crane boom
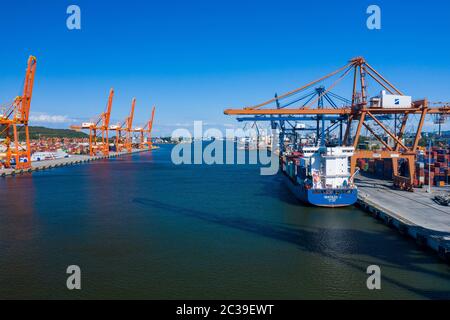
25, 100
107, 114
102, 125
15, 118
146, 133
130, 118
150, 124
149, 130
129, 129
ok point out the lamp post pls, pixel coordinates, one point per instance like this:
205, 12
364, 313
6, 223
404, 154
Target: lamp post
429, 166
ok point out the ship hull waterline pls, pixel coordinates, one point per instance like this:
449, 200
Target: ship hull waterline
327, 198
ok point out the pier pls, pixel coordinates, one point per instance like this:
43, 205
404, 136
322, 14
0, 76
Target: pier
413, 214
72, 160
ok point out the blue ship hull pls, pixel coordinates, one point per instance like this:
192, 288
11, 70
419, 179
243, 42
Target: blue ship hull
330, 198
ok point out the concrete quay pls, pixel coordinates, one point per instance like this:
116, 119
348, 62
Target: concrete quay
72, 160
413, 214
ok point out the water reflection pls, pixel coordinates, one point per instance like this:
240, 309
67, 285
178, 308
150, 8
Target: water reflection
141, 227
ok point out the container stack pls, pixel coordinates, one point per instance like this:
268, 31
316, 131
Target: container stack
435, 166
388, 171
363, 164
371, 166
290, 165
69, 145
380, 168
439, 172
420, 174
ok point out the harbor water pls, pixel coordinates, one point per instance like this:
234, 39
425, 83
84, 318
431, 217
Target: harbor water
139, 226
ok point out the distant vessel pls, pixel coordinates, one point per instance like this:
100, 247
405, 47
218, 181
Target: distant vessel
48, 155
320, 176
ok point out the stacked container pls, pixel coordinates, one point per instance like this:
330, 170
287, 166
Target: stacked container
434, 165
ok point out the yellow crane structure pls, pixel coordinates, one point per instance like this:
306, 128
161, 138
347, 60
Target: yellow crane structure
13, 119
145, 133
98, 130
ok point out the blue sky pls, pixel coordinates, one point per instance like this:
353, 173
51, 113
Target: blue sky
192, 59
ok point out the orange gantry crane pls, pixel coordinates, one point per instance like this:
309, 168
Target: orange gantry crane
359, 110
98, 130
15, 118
126, 126
145, 133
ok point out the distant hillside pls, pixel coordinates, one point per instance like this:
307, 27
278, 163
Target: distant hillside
42, 132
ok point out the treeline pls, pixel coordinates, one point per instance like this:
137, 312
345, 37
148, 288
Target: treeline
43, 132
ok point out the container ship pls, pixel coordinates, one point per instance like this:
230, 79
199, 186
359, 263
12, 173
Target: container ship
320, 176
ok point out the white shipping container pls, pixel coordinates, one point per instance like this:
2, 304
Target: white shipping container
87, 124
391, 101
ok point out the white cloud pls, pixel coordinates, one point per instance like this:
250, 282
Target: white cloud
182, 124
40, 117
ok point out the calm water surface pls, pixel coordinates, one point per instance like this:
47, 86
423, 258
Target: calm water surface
141, 227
